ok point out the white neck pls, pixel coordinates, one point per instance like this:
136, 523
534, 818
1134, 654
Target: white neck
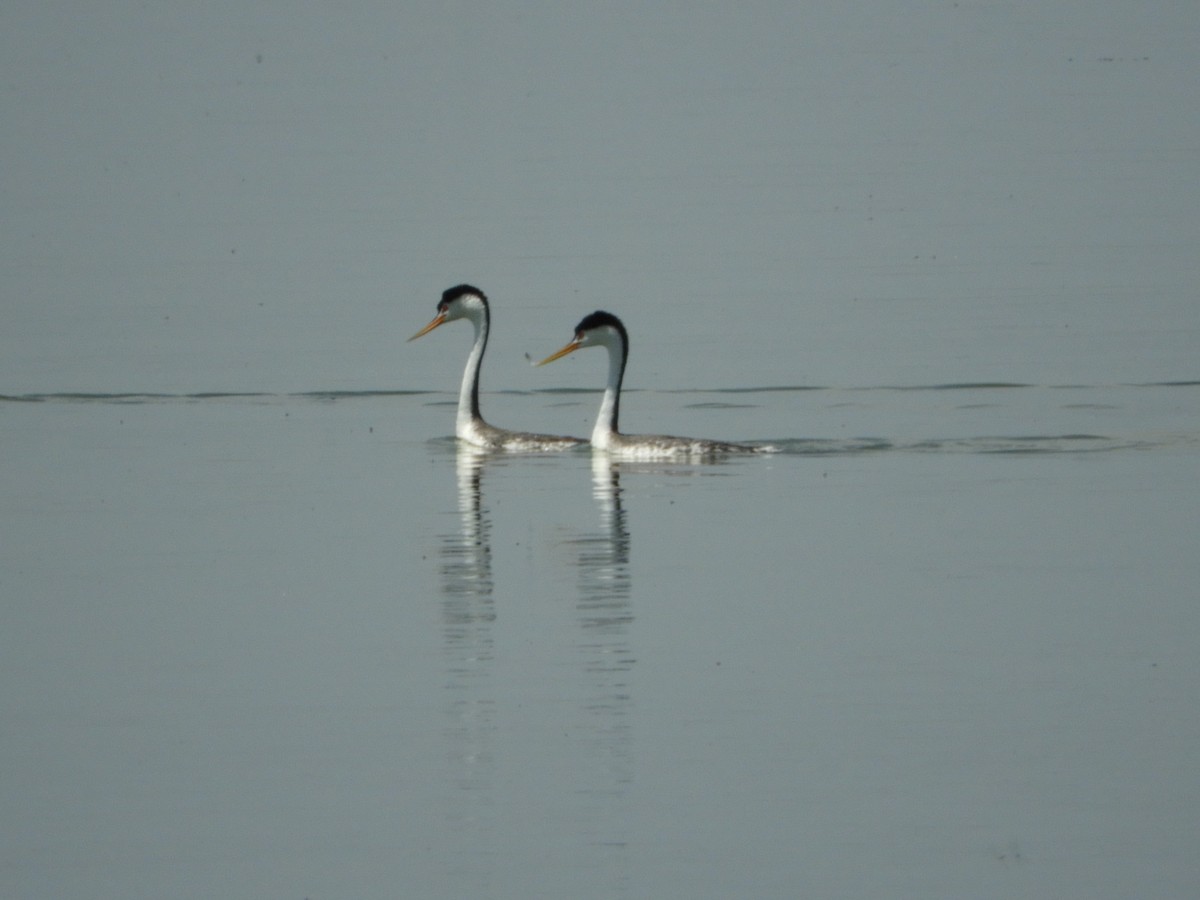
468, 394
606, 421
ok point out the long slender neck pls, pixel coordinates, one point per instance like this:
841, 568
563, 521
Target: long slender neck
468, 394
606, 422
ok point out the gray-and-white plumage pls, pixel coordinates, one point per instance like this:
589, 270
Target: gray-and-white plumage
467, 302
602, 329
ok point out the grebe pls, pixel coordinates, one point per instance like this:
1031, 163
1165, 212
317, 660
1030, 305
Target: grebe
467, 302
602, 329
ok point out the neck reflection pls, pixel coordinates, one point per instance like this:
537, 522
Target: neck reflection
605, 615
468, 617
604, 582
467, 554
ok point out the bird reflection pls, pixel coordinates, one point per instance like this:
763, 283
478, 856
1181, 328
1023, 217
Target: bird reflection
597, 644
468, 617
604, 583
467, 554
605, 614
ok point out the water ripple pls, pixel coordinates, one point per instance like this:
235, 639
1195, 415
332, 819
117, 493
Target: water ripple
372, 393
1019, 444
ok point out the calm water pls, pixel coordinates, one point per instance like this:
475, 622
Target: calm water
292, 646
267, 632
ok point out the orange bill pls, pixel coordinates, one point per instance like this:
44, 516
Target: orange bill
559, 354
437, 320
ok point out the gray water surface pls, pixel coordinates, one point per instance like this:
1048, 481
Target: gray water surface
287, 646
269, 632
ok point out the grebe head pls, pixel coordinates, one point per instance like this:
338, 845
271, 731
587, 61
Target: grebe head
600, 329
459, 302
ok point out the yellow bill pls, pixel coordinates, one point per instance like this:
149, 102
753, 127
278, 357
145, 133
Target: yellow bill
559, 354
437, 320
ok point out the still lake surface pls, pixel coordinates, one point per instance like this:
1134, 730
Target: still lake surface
267, 632
295, 646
